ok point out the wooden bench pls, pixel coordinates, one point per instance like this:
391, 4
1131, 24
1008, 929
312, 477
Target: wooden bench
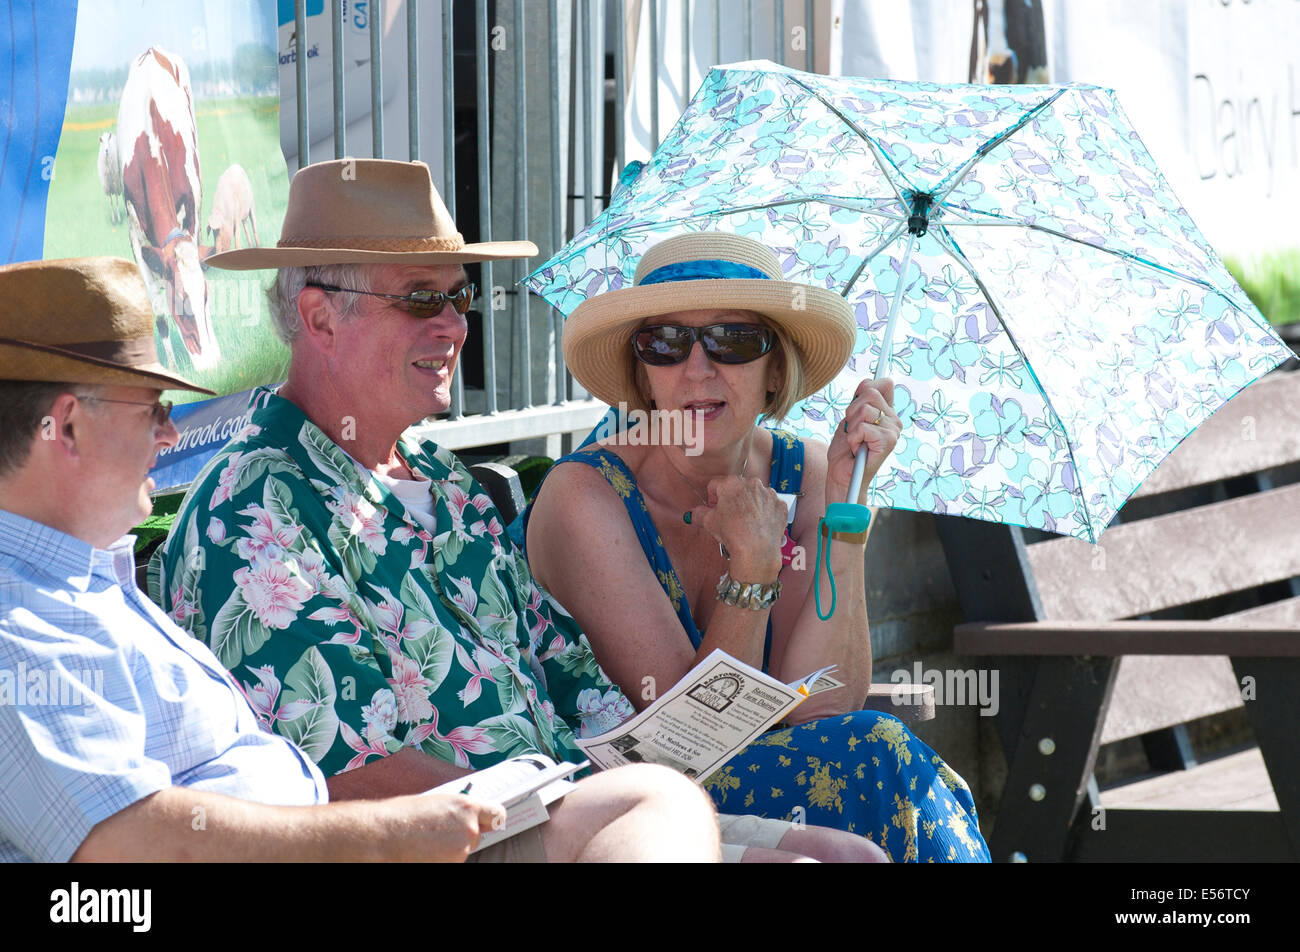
911, 703
1189, 607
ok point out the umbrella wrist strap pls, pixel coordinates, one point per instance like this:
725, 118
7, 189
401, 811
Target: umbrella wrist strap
823, 538
844, 521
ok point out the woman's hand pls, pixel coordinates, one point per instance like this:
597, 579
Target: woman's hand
870, 420
749, 519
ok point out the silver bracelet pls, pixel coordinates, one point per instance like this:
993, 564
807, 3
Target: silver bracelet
752, 595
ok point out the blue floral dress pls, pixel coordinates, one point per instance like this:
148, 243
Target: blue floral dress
864, 772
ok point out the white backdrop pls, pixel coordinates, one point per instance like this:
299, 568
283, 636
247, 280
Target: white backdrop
1212, 86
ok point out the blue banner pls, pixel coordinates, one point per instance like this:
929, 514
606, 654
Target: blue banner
204, 429
33, 93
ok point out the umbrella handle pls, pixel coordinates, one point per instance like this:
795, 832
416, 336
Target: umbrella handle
859, 468
848, 516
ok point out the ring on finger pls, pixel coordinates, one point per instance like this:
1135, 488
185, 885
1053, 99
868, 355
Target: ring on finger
880, 415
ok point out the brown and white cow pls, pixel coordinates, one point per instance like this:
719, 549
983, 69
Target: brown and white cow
158, 147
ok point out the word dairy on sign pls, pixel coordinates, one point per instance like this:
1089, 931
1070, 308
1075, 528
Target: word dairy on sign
102, 905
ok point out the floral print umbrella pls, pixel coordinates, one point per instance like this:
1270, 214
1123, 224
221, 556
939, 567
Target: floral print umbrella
1061, 324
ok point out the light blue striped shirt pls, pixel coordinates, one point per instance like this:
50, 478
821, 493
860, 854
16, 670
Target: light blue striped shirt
104, 700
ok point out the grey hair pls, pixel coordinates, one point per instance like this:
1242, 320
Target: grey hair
283, 293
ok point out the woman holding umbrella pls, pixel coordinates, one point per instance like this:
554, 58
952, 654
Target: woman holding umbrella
666, 551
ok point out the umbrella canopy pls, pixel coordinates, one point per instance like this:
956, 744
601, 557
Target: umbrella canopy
1059, 323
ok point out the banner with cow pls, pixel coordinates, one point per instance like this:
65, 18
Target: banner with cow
168, 152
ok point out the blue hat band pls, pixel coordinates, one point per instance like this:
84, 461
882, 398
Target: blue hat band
703, 270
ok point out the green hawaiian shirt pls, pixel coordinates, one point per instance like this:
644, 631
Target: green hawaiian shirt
354, 631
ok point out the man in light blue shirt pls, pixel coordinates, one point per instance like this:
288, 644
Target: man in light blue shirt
120, 736
108, 720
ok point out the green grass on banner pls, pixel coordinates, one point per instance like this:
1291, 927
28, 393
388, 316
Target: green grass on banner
1272, 281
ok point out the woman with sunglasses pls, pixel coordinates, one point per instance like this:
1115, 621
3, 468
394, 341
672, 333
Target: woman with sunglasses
664, 551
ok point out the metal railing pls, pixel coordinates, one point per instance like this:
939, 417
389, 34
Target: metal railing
550, 85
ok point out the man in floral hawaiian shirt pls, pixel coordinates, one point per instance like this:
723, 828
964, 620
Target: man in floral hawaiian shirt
360, 625
356, 581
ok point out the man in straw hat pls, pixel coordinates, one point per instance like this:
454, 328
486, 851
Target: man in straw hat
120, 736
361, 570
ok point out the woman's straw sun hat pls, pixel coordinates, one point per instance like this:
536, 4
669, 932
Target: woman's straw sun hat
698, 271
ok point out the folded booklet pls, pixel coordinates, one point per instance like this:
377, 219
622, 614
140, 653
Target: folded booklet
706, 718
524, 785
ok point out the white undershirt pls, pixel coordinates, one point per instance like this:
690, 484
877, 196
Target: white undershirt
414, 494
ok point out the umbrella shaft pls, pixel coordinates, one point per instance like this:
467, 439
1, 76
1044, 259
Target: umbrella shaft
887, 339
859, 467
886, 349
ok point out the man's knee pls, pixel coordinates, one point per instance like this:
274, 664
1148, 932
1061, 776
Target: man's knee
672, 804
658, 812
650, 789
759, 854
653, 784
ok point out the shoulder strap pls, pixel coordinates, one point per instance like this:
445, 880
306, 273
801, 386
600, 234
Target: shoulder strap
787, 462
786, 477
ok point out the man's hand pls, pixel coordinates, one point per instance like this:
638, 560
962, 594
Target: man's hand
405, 772
448, 826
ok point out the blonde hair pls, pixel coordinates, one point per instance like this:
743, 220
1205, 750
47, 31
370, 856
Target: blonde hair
780, 400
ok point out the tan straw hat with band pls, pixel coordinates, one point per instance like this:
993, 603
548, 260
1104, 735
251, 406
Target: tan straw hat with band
706, 270
367, 211
80, 320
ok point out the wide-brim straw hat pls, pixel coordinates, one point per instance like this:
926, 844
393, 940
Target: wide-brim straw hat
367, 211
80, 320
699, 271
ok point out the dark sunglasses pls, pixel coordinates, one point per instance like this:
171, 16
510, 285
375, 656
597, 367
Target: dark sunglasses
162, 410
422, 303
666, 344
